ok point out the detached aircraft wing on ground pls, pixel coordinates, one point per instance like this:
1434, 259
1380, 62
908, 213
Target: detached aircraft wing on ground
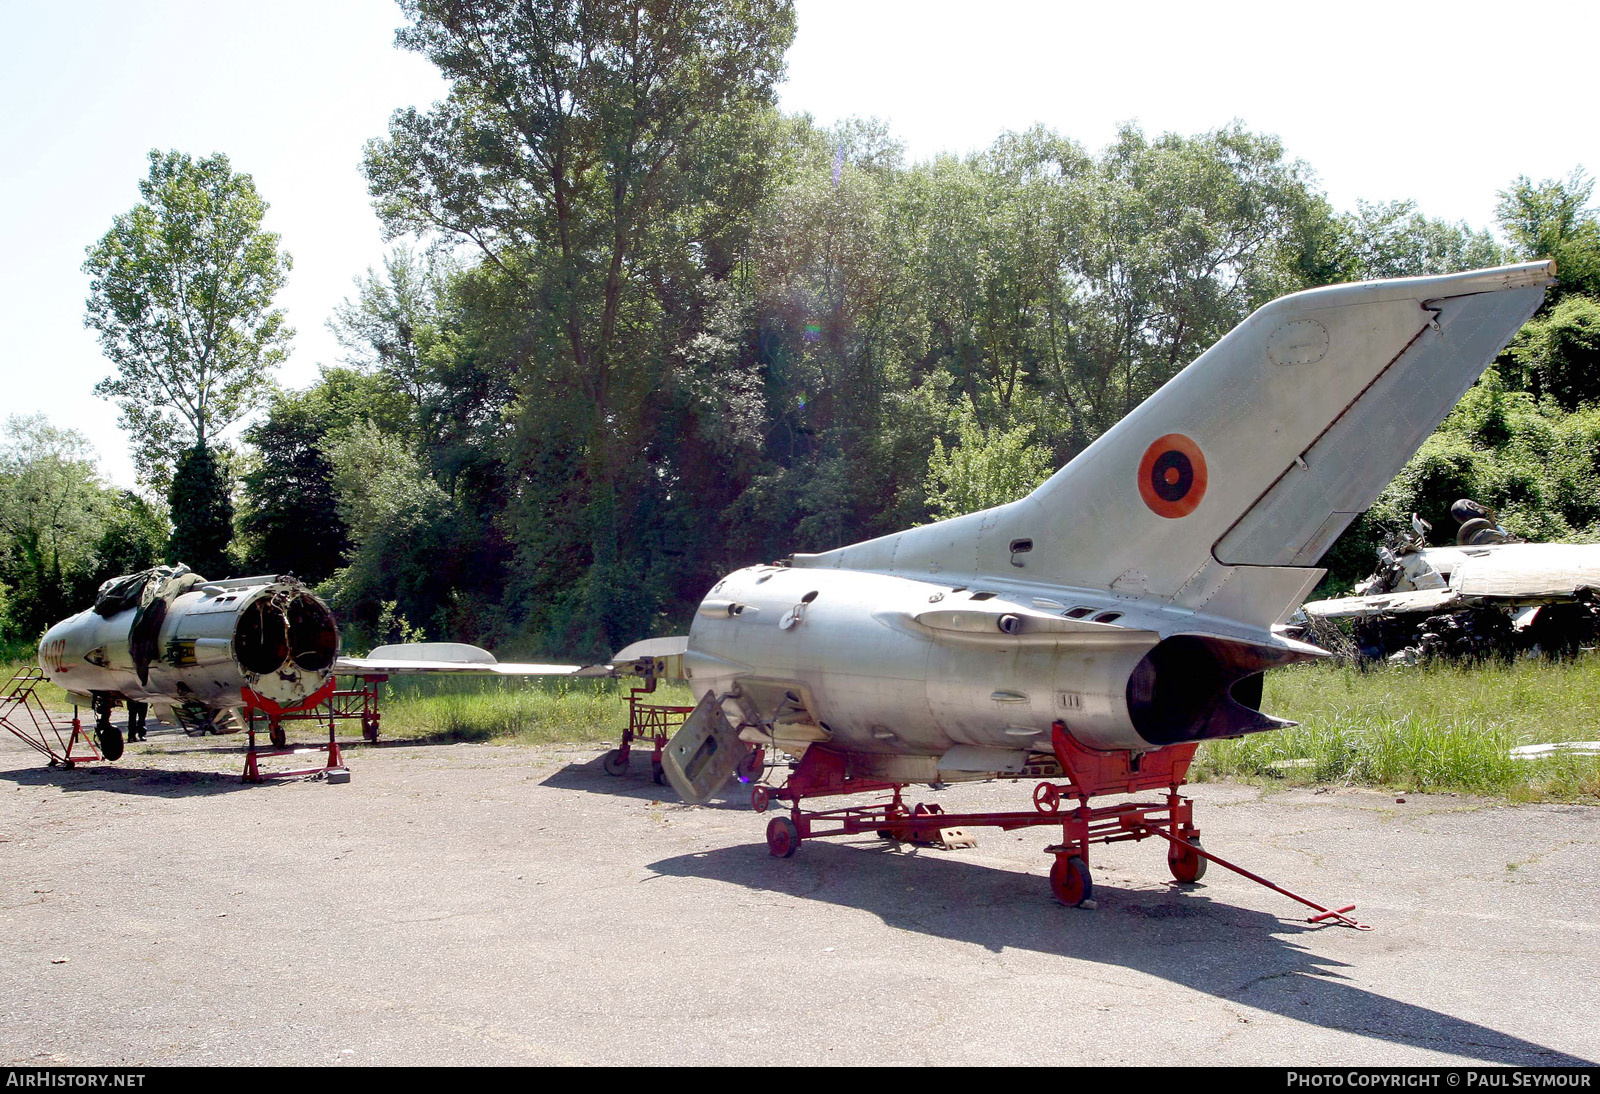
414, 658
1124, 611
659, 657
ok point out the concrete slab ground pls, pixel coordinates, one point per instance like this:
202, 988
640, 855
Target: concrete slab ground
462, 903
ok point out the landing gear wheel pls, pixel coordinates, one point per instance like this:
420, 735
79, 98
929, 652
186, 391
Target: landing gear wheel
278, 736
369, 729
658, 773
751, 766
109, 738
1069, 880
1185, 865
616, 762
783, 838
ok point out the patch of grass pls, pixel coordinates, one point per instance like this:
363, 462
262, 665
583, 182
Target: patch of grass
52, 697
1432, 727
528, 710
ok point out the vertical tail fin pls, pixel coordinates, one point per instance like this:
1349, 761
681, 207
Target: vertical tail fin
1258, 454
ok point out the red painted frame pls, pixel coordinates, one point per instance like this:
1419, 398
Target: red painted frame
824, 772
20, 697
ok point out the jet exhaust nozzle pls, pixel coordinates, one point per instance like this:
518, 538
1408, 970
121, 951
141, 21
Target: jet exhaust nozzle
1198, 687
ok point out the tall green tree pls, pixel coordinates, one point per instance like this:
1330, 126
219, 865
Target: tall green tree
202, 514
395, 327
1553, 219
181, 295
1557, 355
52, 511
1171, 243
590, 150
290, 521
1558, 352
984, 469
832, 305
134, 539
403, 549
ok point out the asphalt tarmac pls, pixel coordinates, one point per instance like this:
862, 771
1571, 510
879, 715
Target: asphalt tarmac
468, 903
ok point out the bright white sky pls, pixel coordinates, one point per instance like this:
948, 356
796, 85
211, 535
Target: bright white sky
1445, 104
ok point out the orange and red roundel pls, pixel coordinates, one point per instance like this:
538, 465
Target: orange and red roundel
1172, 476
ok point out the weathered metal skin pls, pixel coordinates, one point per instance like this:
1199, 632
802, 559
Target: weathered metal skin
1511, 574
266, 633
893, 666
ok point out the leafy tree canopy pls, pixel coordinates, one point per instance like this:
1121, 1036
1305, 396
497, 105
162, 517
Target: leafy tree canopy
1392, 239
201, 502
181, 296
1553, 219
984, 470
1558, 352
62, 531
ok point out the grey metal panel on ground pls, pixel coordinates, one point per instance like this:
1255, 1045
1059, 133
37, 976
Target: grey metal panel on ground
1343, 472
703, 753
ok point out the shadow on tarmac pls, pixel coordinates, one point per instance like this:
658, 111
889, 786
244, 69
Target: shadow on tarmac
176, 783
146, 781
1182, 935
165, 782
590, 777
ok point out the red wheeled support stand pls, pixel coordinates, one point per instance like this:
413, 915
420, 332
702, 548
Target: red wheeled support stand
359, 702
274, 716
824, 772
646, 722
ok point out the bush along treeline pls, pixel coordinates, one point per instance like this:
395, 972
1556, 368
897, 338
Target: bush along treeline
639, 328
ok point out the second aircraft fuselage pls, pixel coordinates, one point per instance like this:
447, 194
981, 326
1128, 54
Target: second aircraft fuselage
895, 666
